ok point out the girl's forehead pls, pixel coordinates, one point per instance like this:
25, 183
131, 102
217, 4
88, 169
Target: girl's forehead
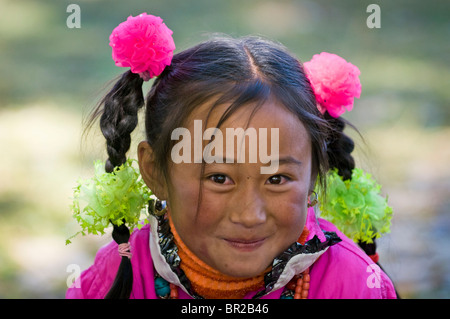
291, 134
269, 114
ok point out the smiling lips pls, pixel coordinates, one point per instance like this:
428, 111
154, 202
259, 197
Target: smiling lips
245, 245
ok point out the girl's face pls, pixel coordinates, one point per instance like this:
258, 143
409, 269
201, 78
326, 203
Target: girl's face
245, 218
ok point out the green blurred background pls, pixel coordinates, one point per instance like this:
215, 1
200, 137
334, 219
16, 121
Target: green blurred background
52, 76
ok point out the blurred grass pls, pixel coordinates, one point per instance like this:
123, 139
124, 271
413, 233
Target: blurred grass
52, 76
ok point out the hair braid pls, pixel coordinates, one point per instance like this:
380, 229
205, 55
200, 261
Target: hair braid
119, 117
339, 148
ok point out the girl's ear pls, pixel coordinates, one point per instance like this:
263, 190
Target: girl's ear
148, 171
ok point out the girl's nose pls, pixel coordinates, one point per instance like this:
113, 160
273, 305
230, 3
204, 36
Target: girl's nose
249, 209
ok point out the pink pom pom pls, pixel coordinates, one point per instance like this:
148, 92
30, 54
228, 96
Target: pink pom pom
335, 83
144, 44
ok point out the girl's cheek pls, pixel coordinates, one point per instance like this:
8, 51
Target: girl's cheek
292, 211
211, 212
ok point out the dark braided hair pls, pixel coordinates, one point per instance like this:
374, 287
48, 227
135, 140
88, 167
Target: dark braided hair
339, 149
119, 117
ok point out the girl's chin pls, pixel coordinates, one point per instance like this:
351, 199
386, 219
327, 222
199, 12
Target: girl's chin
243, 270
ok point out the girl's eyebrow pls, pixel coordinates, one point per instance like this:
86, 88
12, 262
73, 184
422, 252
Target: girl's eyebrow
280, 161
284, 160
225, 160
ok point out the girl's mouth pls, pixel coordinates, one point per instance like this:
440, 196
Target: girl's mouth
246, 245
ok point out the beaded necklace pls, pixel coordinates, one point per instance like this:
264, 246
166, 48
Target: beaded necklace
298, 287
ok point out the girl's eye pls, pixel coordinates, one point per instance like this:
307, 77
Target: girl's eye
220, 179
277, 179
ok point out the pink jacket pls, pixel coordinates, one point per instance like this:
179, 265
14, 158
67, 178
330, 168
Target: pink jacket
343, 271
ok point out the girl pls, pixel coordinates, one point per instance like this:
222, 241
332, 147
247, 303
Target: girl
220, 227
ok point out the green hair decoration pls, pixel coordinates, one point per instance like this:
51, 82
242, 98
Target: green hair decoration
356, 206
116, 197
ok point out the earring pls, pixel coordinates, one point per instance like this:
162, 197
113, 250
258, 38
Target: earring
313, 199
157, 207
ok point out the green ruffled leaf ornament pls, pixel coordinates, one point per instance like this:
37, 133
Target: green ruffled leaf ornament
117, 197
356, 206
